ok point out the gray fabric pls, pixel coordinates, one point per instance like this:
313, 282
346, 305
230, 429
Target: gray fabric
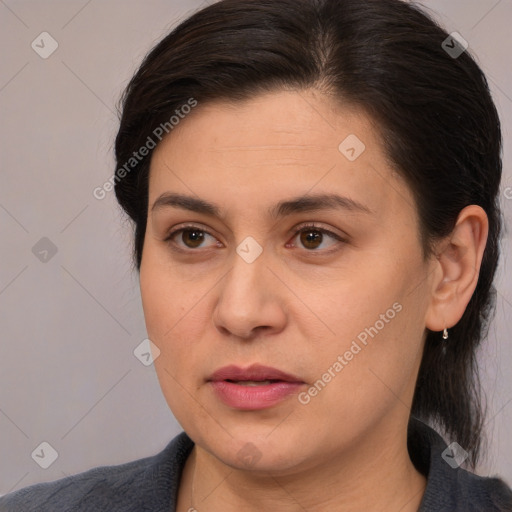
151, 484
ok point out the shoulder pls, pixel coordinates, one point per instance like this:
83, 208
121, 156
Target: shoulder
96, 486
142, 485
481, 494
450, 488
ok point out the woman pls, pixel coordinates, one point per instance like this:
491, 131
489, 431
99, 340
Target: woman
313, 185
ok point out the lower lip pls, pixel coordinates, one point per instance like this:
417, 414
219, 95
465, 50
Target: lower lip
254, 397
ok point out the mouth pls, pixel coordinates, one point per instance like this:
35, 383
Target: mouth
253, 388
252, 382
255, 374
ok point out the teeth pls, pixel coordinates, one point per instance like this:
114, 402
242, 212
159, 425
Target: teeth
253, 382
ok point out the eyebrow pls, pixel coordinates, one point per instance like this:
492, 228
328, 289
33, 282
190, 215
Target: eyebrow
305, 203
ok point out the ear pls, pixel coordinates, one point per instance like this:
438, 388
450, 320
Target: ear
456, 269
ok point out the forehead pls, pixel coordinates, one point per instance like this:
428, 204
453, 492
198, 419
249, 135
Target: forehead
282, 143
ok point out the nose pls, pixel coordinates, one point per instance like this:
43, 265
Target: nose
250, 300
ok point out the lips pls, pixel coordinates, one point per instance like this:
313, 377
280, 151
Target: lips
253, 373
252, 388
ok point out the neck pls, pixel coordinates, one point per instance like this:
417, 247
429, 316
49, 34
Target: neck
377, 474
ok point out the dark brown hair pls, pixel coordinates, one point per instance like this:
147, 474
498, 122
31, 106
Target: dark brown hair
434, 111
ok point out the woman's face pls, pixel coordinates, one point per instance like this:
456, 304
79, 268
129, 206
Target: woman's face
342, 314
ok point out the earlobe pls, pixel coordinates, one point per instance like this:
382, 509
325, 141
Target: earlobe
457, 269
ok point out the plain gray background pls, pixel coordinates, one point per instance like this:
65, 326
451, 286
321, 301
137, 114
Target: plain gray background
70, 321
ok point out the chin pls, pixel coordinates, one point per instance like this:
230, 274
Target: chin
257, 451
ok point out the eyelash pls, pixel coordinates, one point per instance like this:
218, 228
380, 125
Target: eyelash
305, 227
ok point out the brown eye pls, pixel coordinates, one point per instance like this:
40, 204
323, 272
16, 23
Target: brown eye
190, 237
195, 236
311, 238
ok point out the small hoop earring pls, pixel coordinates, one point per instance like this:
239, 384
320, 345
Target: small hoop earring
445, 334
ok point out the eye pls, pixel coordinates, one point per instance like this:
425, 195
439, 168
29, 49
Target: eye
312, 236
191, 236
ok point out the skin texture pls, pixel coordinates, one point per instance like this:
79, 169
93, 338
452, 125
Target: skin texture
297, 306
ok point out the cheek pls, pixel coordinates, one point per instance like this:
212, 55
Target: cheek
164, 298
375, 322
174, 316
171, 328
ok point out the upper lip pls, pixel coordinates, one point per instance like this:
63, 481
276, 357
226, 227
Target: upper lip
254, 372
